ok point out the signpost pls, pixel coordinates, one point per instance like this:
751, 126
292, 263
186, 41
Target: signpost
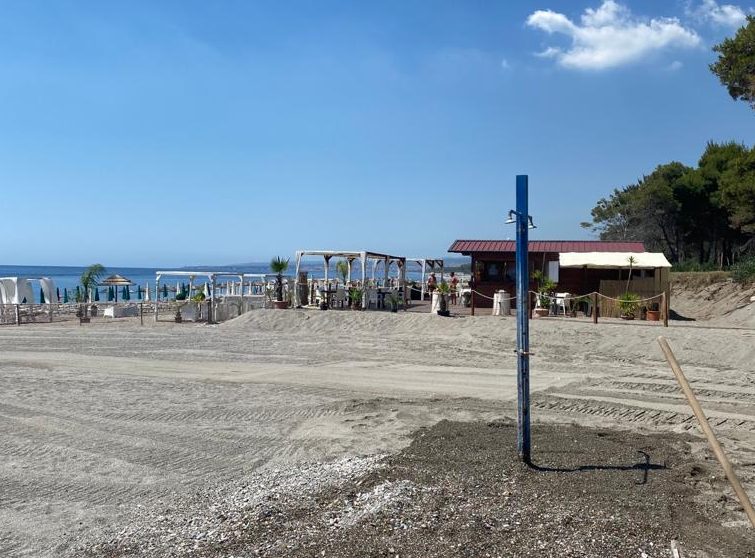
523, 222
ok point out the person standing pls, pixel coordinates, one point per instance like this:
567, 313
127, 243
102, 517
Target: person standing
453, 284
432, 282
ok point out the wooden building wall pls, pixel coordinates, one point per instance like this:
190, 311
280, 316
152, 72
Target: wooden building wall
572, 280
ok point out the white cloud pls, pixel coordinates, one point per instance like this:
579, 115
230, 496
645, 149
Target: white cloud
610, 36
725, 15
675, 65
505, 64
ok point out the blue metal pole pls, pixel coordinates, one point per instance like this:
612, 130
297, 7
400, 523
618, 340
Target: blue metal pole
522, 319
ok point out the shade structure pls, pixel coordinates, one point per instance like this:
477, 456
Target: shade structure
613, 260
116, 281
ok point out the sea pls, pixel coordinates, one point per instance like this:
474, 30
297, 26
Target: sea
68, 277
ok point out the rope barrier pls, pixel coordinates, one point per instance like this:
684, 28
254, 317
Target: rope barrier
570, 297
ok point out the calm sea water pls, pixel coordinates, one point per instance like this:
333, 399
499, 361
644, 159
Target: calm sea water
68, 277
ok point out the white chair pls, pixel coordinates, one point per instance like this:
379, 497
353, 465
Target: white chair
339, 297
371, 297
562, 301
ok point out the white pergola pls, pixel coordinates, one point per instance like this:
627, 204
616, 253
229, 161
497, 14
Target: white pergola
211, 276
425, 264
362, 256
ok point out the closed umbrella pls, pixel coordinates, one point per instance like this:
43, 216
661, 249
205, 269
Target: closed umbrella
96, 295
206, 290
78, 293
110, 294
146, 292
179, 290
57, 293
138, 292
41, 296
65, 296
165, 291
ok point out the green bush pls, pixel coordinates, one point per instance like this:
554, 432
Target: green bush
744, 270
694, 266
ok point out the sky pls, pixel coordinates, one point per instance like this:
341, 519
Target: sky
166, 133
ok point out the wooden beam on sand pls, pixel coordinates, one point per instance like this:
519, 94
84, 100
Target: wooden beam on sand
705, 426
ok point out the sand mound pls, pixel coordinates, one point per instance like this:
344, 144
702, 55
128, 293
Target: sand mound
724, 302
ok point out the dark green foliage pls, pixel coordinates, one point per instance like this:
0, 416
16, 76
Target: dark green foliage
278, 266
744, 270
90, 278
702, 216
735, 66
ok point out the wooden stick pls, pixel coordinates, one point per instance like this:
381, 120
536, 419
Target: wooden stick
664, 307
595, 308
705, 426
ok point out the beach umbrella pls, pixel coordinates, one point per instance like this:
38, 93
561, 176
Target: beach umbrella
179, 289
110, 294
206, 290
127, 292
165, 291
78, 293
41, 296
138, 292
96, 295
57, 293
65, 296
146, 292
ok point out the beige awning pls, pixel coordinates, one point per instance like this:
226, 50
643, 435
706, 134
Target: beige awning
613, 260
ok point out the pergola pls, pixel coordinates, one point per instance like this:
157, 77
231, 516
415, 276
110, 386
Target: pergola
362, 256
427, 263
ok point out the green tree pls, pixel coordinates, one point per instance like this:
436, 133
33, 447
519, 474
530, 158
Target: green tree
738, 192
735, 66
90, 278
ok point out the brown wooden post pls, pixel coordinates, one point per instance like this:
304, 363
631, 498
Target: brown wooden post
18, 315
472, 300
141, 313
50, 306
664, 303
595, 308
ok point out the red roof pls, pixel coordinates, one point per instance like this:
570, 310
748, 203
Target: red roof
469, 246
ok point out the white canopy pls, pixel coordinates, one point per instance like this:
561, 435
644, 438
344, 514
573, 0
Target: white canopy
14, 290
613, 260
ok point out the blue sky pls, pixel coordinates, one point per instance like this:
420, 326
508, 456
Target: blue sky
172, 133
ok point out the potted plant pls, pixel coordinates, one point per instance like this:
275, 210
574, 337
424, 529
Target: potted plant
394, 300
443, 289
545, 289
653, 313
279, 266
89, 280
628, 305
355, 298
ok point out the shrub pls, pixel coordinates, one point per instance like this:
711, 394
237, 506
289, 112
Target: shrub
744, 270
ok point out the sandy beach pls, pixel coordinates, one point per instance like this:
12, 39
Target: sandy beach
100, 425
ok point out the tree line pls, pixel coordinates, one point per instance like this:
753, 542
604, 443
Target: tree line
698, 216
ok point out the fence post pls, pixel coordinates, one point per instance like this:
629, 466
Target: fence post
664, 303
472, 301
50, 312
141, 312
18, 315
595, 308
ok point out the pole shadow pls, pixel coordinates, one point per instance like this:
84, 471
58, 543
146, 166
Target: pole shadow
645, 466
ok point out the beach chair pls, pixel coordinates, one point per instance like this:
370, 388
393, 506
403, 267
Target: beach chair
371, 297
562, 302
339, 298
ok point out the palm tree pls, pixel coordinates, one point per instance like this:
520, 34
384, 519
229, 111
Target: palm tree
631, 260
278, 266
89, 280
